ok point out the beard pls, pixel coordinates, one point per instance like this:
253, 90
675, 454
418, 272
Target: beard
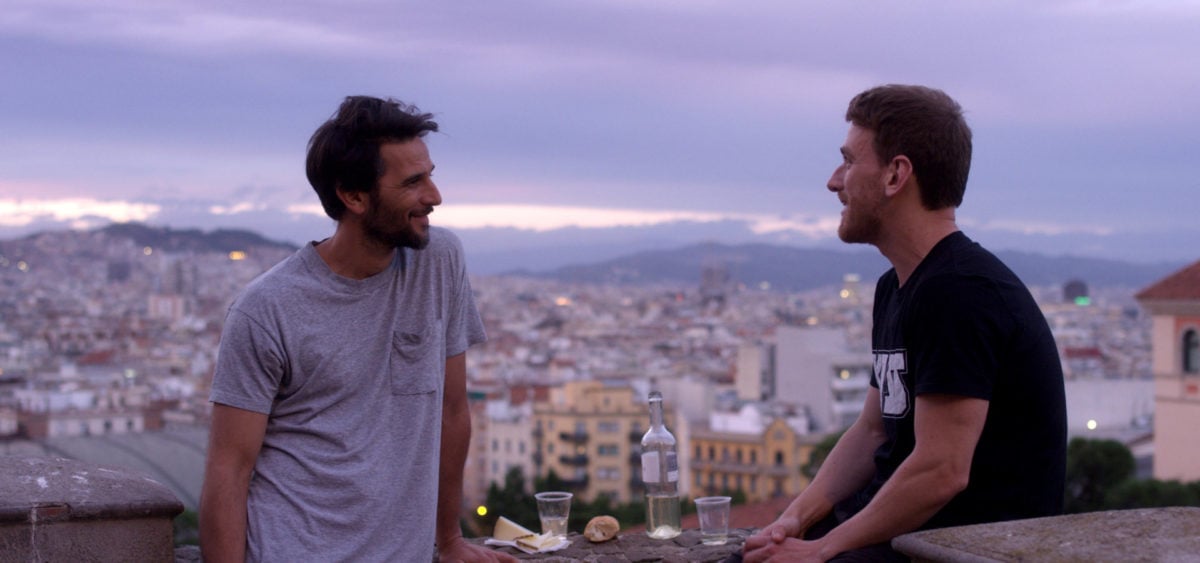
862, 226
393, 229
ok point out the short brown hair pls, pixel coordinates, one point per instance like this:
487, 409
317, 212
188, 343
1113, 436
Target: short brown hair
344, 151
925, 125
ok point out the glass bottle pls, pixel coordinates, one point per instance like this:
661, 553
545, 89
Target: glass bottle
660, 473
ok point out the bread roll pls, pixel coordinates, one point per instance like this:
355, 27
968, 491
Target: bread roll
601, 528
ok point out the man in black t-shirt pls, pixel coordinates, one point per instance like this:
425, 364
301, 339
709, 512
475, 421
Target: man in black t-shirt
965, 419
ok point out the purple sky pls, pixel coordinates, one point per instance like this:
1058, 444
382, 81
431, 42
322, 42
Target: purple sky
618, 114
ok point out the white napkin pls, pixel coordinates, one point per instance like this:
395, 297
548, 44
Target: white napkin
562, 543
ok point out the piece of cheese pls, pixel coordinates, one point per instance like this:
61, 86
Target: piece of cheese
507, 530
538, 542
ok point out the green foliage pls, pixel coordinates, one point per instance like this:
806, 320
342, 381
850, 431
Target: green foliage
1094, 467
819, 453
187, 528
1100, 477
513, 502
1153, 493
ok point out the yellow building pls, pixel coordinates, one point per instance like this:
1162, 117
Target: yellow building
1174, 307
589, 433
763, 458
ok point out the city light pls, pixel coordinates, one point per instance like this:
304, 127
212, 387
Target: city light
237, 255
482, 510
1091, 424
147, 250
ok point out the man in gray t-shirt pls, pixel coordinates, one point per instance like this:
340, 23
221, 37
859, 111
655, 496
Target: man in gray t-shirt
340, 422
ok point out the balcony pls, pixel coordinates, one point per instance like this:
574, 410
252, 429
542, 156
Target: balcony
636, 436
575, 484
578, 460
576, 437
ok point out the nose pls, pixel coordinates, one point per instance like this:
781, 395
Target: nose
431, 196
835, 183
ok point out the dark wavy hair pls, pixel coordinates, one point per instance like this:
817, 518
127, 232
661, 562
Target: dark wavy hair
928, 127
344, 151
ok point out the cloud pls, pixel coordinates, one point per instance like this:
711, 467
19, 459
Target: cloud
78, 212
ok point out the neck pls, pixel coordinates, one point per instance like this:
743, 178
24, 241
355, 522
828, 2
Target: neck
349, 253
908, 245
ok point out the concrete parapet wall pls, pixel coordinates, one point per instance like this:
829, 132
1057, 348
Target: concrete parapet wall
54, 509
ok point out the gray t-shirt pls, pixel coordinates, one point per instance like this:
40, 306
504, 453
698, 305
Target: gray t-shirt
351, 374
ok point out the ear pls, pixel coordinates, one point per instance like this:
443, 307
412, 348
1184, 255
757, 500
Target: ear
899, 172
356, 202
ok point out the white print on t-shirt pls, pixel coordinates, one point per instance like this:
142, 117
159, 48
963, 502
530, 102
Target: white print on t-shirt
890, 366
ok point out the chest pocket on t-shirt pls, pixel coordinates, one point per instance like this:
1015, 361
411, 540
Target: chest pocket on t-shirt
416, 360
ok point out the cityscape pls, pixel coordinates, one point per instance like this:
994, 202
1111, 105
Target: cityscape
107, 347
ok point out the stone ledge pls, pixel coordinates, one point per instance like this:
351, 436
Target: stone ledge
1150, 534
638, 547
54, 509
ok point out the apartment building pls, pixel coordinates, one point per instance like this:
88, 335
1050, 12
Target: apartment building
810, 366
589, 433
758, 449
1174, 307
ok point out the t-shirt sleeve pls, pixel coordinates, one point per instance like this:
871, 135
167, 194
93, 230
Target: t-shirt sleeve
249, 368
956, 328
464, 327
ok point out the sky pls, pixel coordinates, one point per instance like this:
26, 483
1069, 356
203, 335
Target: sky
708, 119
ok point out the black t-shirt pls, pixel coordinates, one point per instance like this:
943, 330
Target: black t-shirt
964, 324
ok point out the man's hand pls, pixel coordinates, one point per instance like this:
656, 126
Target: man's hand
461, 551
784, 527
790, 549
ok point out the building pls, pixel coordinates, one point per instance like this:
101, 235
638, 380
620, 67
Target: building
1174, 307
589, 433
810, 366
509, 440
758, 449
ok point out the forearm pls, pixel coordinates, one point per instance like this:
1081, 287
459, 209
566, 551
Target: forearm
845, 471
910, 498
939, 467
223, 521
456, 437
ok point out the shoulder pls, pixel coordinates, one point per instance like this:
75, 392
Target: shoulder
271, 286
443, 240
444, 249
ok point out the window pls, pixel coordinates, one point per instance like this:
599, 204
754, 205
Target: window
495, 445
606, 450
778, 458
1191, 351
753, 457
608, 474
698, 456
608, 426
521, 447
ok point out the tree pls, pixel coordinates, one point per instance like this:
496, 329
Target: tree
1094, 468
819, 453
511, 501
1153, 493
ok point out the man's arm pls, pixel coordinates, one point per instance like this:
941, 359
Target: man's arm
234, 440
947, 429
846, 469
456, 438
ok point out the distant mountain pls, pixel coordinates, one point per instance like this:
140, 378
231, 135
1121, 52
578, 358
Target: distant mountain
650, 260
195, 240
796, 269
